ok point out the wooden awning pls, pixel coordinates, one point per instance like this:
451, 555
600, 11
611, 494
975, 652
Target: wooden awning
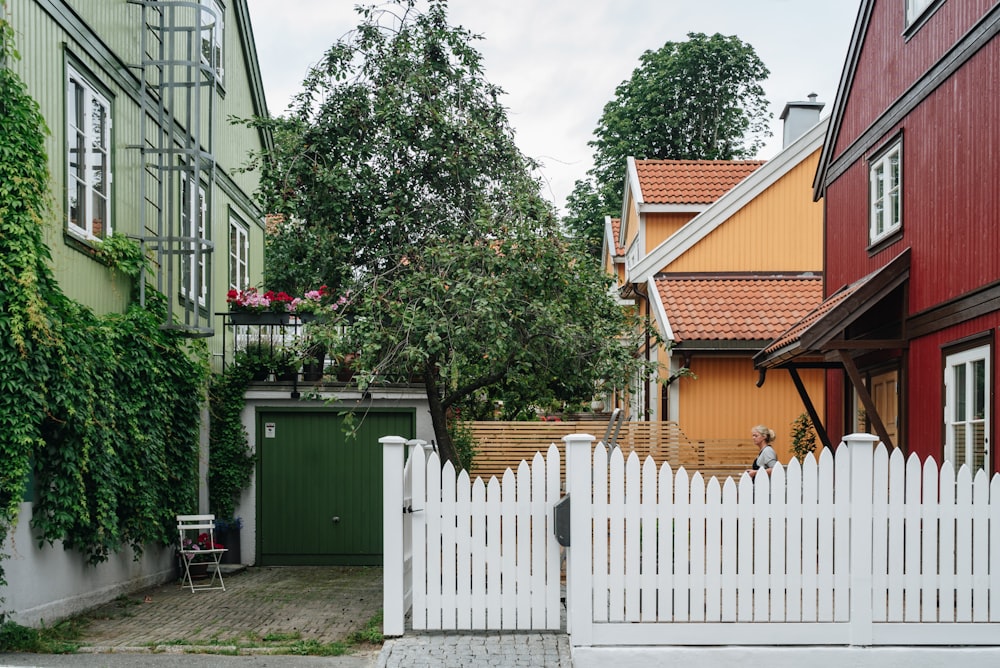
828, 338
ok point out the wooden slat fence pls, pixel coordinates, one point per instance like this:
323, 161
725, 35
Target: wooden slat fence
503, 445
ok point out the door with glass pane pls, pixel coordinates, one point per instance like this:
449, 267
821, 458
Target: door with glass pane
967, 409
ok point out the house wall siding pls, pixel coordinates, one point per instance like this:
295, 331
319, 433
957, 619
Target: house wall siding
660, 226
780, 230
723, 402
951, 146
888, 68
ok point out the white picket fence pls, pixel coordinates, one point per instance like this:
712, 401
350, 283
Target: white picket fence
859, 549
464, 555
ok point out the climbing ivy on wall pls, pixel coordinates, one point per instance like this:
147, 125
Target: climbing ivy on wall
104, 409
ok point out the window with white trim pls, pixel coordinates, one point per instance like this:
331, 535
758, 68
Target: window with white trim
194, 256
967, 408
239, 252
212, 33
885, 193
88, 158
915, 8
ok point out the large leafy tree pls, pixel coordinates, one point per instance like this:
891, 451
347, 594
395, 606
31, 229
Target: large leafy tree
397, 136
399, 178
526, 313
700, 99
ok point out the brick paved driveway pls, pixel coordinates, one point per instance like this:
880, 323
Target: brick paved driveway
260, 609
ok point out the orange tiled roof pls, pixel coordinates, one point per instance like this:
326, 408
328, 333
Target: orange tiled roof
690, 181
739, 308
616, 230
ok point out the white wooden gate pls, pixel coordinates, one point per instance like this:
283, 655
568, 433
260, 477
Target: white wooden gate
862, 548
469, 555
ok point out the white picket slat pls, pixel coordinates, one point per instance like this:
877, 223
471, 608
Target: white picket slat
463, 551
880, 533
697, 550
980, 542
946, 536
730, 540
479, 520
777, 575
761, 544
929, 539
793, 537
449, 513
744, 550
994, 597
508, 550
537, 554
602, 534
419, 490
810, 551
824, 538
616, 533
647, 532
523, 547
842, 535
494, 600
682, 527
665, 545
553, 553
963, 545
633, 542
897, 494
713, 551
433, 553
911, 546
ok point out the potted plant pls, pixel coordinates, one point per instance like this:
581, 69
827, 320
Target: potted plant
250, 307
264, 360
228, 531
198, 563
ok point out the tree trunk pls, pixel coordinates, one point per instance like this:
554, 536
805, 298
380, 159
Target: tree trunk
439, 420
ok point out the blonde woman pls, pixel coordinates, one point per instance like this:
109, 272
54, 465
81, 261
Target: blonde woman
767, 458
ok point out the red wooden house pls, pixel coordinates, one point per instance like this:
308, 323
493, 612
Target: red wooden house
910, 184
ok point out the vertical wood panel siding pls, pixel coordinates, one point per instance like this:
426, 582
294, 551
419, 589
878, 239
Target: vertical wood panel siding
780, 230
724, 402
659, 227
888, 69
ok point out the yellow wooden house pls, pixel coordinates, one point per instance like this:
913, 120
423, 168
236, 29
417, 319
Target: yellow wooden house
722, 257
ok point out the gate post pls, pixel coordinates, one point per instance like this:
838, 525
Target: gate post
579, 555
392, 535
859, 448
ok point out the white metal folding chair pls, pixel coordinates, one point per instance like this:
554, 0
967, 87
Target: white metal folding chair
189, 528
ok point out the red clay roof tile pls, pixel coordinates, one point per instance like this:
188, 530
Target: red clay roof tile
749, 308
690, 181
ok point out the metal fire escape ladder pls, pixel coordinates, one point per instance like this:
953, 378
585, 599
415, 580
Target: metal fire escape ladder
178, 91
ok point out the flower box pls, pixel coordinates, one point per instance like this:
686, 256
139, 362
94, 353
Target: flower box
265, 318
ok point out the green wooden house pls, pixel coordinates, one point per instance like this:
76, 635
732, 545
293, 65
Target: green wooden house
137, 96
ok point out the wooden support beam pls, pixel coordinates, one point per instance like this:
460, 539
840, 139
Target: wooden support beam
866, 398
810, 408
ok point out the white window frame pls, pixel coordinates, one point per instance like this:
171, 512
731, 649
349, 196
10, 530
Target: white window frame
885, 193
915, 9
213, 21
967, 406
88, 158
194, 279
239, 254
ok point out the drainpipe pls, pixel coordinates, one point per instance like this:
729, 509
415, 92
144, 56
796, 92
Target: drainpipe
646, 388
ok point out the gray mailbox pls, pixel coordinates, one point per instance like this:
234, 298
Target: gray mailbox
560, 521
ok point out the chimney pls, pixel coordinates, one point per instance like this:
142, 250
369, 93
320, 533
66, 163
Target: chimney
799, 117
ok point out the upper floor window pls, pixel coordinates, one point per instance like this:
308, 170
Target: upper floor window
88, 158
239, 251
213, 24
194, 256
885, 190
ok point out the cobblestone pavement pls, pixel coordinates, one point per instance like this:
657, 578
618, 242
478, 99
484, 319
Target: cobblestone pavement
260, 609
265, 610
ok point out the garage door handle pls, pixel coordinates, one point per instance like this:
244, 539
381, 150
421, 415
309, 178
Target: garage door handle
336, 519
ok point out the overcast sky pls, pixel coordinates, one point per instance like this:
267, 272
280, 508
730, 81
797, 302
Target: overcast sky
560, 60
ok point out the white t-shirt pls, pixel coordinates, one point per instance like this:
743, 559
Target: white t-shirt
766, 459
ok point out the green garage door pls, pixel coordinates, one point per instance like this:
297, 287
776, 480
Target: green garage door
319, 491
